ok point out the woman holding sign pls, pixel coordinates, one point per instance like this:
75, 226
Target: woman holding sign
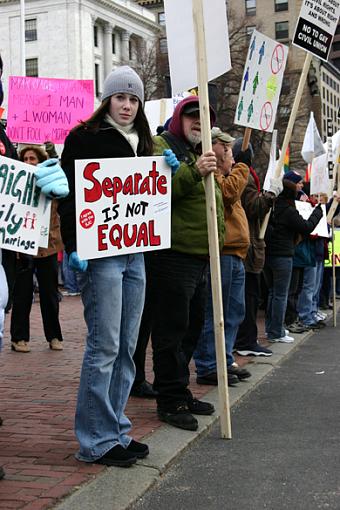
112, 288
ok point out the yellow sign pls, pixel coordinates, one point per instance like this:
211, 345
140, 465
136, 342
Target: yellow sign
328, 263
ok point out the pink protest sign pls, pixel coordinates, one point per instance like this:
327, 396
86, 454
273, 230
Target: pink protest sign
41, 109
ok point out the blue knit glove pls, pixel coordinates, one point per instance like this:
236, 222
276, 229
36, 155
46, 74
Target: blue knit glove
52, 179
76, 264
171, 160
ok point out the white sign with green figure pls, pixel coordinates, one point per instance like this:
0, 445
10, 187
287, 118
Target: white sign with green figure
261, 83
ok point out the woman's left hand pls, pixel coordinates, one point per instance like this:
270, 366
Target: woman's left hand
52, 179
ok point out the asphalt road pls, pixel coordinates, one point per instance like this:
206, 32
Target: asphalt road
285, 451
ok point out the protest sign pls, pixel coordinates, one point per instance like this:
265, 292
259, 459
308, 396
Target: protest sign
336, 254
316, 26
123, 206
182, 46
159, 110
272, 162
319, 180
306, 209
24, 210
261, 83
41, 109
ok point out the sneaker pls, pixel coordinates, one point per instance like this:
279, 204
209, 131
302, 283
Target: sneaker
211, 379
143, 390
178, 417
56, 344
69, 294
139, 450
297, 327
117, 456
319, 316
283, 339
196, 406
257, 350
316, 325
20, 346
241, 373
286, 333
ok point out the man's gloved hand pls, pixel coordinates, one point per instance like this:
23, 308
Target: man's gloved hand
52, 179
171, 160
276, 185
76, 264
244, 157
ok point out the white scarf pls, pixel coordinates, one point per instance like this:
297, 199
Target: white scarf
129, 132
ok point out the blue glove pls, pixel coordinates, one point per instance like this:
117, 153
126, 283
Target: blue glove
52, 179
171, 160
76, 264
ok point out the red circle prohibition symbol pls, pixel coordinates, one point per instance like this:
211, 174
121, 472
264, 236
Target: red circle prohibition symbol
86, 218
277, 60
266, 116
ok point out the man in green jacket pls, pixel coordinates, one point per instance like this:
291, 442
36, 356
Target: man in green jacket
176, 278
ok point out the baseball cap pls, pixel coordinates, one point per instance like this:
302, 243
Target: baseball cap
218, 134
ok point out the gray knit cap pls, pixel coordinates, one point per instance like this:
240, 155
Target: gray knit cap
125, 80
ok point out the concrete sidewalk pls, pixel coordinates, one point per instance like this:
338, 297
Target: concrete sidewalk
37, 443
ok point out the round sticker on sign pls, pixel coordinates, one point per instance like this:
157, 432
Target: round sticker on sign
86, 218
266, 116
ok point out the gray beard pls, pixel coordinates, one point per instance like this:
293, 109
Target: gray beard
194, 139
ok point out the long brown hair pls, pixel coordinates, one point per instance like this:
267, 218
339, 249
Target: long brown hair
140, 123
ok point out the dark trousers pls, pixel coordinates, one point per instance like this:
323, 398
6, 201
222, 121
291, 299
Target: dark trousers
177, 285
295, 286
46, 269
145, 328
247, 331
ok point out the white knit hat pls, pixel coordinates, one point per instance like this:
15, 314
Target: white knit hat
124, 80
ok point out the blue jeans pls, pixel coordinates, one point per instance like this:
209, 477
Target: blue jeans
233, 280
69, 276
277, 274
3, 300
318, 283
112, 291
305, 300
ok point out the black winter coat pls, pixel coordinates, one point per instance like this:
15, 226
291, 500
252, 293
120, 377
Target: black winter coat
284, 226
85, 144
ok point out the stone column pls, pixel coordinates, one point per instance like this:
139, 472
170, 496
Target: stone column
125, 46
107, 48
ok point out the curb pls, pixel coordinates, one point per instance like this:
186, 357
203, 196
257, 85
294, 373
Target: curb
118, 489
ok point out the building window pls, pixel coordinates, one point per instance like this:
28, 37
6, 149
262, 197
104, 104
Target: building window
250, 7
281, 30
32, 67
281, 5
163, 45
96, 79
113, 43
30, 30
95, 36
161, 18
249, 30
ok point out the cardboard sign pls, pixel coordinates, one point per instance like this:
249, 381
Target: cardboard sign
24, 210
306, 209
261, 83
41, 109
316, 26
181, 41
123, 206
328, 263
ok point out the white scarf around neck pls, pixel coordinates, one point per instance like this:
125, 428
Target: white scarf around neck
129, 132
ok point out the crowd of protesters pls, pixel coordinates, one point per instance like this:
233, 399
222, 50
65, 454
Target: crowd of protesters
166, 295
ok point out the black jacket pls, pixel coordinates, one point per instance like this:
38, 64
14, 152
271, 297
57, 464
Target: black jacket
285, 224
85, 144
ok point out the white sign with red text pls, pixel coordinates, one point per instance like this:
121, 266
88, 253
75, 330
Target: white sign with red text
123, 206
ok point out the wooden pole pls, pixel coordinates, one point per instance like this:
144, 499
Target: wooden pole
214, 250
289, 130
162, 113
246, 139
336, 174
333, 275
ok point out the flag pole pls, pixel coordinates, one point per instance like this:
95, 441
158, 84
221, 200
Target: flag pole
214, 250
22, 39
